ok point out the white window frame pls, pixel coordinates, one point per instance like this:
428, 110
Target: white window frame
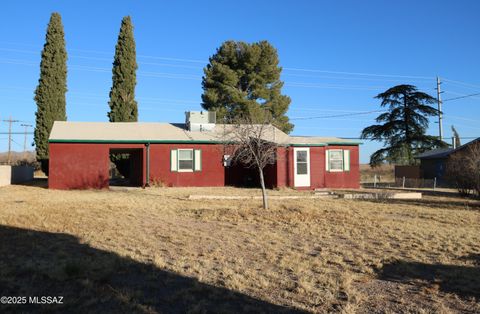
340, 151
178, 160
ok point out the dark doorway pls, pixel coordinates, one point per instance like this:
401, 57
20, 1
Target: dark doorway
126, 167
240, 176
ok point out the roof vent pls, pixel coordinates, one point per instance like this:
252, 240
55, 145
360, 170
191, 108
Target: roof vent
200, 120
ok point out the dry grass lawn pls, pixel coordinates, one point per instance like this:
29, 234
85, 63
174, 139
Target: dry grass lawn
154, 250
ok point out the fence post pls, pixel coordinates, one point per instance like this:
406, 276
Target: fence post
403, 183
434, 183
375, 181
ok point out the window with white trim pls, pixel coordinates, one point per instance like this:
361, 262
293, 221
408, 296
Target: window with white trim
335, 160
185, 160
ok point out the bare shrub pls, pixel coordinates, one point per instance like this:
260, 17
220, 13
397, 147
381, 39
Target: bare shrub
463, 170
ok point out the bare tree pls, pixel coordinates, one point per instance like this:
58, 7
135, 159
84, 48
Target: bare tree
251, 145
463, 169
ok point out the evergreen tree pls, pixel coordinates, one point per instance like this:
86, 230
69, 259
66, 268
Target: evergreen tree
123, 106
51, 89
404, 126
244, 79
456, 137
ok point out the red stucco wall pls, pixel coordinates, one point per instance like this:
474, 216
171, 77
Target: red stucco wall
317, 167
347, 179
319, 178
282, 167
80, 166
83, 166
212, 173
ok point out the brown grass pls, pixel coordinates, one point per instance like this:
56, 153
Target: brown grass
385, 173
153, 250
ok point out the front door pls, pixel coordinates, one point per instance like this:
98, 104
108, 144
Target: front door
301, 167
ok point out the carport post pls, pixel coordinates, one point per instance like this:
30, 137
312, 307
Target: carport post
147, 181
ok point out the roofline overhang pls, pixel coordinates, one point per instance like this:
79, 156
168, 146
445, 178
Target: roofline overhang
133, 141
190, 142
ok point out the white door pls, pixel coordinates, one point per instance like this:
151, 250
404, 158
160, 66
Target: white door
301, 167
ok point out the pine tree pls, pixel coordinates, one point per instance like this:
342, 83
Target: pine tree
244, 79
123, 106
404, 126
51, 89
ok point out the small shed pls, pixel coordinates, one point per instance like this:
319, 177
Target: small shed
434, 163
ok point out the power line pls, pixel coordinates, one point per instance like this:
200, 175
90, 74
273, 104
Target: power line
462, 118
359, 73
338, 115
187, 60
107, 70
333, 86
462, 83
198, 78
112, 54
25, 138
206, 61
461, 97
345, 78
10, 121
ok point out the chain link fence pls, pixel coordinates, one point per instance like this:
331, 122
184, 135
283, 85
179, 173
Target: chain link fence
403, 182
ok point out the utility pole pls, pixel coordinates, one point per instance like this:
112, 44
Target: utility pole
25, 140
440, 114
10, 121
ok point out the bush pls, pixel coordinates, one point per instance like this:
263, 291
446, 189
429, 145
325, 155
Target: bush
463, 170
25, 162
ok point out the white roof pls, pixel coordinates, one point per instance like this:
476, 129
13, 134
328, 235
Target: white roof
143, 132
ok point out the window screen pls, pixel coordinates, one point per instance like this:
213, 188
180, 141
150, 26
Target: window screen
185, 159
336, 160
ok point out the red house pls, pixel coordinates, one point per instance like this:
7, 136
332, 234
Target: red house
192, 154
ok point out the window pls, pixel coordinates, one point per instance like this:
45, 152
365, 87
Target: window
335, 160
185, 160
302, 162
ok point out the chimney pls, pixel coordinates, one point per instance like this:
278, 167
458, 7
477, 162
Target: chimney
200, 120
454, 142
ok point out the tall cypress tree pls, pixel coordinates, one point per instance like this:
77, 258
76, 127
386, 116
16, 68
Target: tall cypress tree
123, 106
51, 89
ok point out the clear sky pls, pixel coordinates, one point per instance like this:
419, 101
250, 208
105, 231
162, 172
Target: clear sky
336, 55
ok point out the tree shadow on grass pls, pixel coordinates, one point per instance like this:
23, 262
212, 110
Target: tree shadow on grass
467, 204
463, 281
34, 263
36, 182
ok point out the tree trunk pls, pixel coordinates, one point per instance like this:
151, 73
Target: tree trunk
408, 142
264, 191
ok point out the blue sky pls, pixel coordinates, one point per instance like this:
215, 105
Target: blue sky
337, 55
